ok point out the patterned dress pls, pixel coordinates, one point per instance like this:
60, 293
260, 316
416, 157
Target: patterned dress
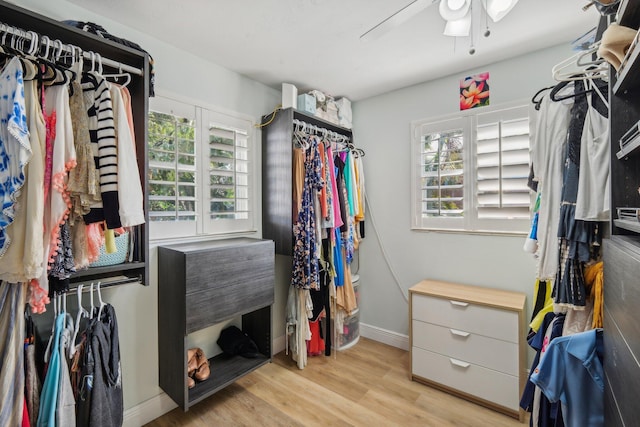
15, 148
305, 262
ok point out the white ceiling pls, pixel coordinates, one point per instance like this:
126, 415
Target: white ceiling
315, 44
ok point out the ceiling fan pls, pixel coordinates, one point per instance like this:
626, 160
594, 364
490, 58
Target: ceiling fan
457, 14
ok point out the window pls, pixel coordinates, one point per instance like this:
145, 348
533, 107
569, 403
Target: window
470, 172
200, 171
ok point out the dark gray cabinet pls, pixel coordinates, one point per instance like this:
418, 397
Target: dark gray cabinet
204, 283
622, 249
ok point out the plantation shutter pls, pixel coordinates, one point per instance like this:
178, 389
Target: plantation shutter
502, 164
228, 173
442, 173
172, 170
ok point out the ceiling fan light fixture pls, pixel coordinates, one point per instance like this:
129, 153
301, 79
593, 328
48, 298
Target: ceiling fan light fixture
452, 10
498, 9
458, 27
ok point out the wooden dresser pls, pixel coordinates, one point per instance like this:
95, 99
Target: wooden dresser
469, 341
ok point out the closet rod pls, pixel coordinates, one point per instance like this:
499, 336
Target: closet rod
106, 282
320, 129
69, 48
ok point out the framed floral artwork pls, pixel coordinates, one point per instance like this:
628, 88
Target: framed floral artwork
474, 91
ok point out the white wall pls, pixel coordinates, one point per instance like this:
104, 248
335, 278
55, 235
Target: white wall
382, 129
187, 76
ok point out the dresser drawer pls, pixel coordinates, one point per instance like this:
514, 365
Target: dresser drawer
466, 377
488, 352
469, 317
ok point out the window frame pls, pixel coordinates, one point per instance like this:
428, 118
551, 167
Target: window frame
469, 223
204, 116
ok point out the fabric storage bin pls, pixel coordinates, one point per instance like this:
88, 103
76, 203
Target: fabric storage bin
118, 257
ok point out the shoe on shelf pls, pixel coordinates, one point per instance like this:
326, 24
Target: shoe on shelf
191, 383
192, 363
203, 370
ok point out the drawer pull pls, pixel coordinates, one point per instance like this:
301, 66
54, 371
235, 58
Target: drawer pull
459, 333
459, 363
459, 303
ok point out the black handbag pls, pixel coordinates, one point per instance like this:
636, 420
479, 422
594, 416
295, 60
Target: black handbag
234, 342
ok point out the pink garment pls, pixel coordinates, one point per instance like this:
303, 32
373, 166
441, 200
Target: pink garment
95, 239
126, 97
337, 221
63, 158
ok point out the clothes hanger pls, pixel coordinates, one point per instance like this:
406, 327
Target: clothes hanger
573, 68
82, 312
557, 88
596, 89
119, 74
601, 71
538, 101
102, 303
56, 305
92, 307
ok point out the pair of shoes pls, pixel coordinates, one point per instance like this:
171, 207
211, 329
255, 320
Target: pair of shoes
197, 366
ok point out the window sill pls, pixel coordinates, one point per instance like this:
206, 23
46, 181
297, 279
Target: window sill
473, 232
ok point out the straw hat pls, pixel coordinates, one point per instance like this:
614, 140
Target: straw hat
615, 43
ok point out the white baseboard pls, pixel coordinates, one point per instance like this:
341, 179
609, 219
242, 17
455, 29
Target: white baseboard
385, 336
278, 344
148, 410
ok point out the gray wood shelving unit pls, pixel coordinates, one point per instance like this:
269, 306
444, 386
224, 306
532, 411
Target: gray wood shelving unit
205, 283
622, 249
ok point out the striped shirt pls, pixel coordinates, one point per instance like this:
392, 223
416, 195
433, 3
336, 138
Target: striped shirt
103, 141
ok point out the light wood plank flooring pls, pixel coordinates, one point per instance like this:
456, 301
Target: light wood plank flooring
367, 385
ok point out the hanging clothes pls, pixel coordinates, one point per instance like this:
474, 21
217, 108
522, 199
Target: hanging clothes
84, 180
33, 386
107, 407
22, 261
572, 373
130, 197
547, 154
49, 396
12, 334
62, 159
305, 263
592, 200
65, 404
15, 147
543, 412
579, 240
103, 140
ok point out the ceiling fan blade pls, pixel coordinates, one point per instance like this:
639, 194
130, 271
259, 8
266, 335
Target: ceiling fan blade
403, 15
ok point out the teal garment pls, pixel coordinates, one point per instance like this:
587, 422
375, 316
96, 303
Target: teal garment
49, 396
349, 175
571, 372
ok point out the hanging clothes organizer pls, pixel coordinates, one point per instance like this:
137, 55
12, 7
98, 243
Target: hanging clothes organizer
21, 29
313, 208
40, 144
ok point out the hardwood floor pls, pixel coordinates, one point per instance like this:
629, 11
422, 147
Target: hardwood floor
367, 385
